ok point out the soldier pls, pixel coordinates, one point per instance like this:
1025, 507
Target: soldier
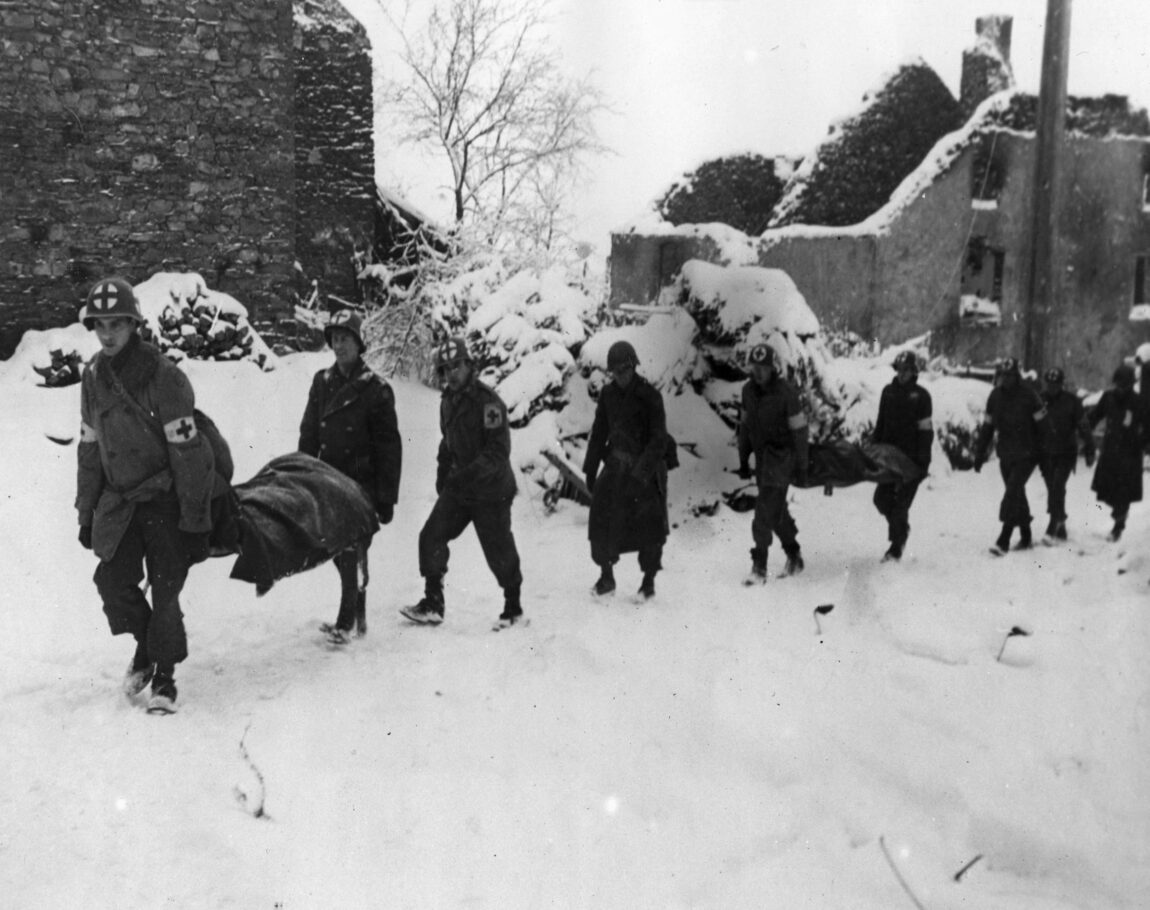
144, 487
475, 485
904, 421
1013, 412
629, 499
1058, 439
349, 423
1118, 477
774, 428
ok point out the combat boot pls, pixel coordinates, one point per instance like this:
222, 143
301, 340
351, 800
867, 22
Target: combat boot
1025, 541
140, 671
606, 583
429, 610
758, 573
512, 609
647, 588
794, 565
1002, 545
163, 700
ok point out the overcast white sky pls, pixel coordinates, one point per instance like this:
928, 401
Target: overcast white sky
692, 80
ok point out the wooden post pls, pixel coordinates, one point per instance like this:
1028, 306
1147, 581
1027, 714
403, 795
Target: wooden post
1044, 278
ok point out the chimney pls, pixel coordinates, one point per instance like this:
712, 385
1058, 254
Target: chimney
986, 64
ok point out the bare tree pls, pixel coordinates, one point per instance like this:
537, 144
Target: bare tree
483, 86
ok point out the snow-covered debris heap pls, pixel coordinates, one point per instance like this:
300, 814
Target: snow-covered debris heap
187, 319
736, 308
521, 333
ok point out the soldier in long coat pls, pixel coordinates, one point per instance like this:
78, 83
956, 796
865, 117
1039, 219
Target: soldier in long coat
475, 485
1013, 413
144, 486
349, 422
1118, 476
629, 497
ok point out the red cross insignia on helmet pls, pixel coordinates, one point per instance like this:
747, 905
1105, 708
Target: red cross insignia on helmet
111, 297
762, 354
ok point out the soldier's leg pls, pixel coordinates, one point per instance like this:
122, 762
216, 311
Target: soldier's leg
785, 527
167, 562
901, 513
447, 521
118, 583
1060, 476
493, 527
884, 501
769, 507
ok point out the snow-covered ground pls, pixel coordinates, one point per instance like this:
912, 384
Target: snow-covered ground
720, 747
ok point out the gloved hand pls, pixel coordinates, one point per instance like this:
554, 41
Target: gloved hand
1089, 456
86, 536
590, 478
745, 470
385, 512
197, 546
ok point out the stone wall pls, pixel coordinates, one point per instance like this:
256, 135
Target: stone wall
147, 135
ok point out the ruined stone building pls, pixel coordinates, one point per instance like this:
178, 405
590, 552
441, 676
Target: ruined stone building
227, 137
945, 249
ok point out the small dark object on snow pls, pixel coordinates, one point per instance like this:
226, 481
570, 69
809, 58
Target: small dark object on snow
1016, 630
821, 610
961, 872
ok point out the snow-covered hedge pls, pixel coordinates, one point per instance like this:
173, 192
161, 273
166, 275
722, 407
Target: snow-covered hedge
541, 340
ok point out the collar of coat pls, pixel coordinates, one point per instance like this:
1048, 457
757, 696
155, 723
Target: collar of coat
470, 389
359, 374
345, 389
136, 370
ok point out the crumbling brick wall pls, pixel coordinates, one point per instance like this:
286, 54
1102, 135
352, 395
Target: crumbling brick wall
146, 135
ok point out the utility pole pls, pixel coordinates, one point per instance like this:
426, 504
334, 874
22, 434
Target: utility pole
1044, 282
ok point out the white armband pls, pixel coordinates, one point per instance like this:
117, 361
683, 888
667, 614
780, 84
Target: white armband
180, 430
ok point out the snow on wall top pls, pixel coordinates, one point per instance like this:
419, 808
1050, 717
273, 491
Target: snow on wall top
312, 14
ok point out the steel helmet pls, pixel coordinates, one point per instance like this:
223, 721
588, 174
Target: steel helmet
110, 297
621, 354
906, 361
451, 352
350, 321
1008, 366
761, 355
1124, 376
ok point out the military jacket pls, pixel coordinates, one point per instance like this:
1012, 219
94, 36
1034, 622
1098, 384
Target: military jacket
904, 420
139, 442
474, 458
350, 424
774, 428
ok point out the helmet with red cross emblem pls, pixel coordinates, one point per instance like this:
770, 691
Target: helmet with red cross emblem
110, 297
452, 351
349, 321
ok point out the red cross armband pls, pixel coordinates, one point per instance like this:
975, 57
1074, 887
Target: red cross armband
180, 430
492, 417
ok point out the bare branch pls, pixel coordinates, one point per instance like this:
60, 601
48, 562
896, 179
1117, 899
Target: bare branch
484, 88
